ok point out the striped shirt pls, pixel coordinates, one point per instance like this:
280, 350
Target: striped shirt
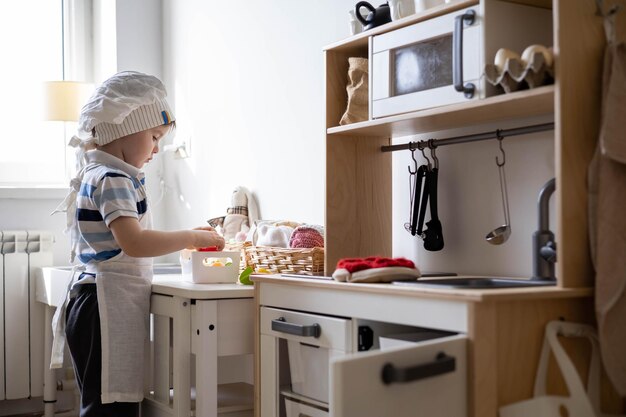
110, 188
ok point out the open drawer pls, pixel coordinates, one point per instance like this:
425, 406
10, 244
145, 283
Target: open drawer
296, 350
426, 379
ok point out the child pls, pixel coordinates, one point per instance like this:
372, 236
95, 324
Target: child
108, 314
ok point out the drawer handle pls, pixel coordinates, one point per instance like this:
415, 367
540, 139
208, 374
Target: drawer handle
441, 365
457, 54
280, 325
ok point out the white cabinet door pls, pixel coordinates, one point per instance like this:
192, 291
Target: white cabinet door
427, 379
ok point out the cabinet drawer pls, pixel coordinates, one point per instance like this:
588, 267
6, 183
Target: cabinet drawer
426, 379
323, 331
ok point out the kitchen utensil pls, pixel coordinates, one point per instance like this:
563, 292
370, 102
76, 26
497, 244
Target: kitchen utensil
401, 8
355, 25
432, 235
419, 209
377, 16
421, 5
412, 188
426, 175
501, 234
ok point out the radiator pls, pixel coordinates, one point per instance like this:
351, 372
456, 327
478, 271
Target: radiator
21, 317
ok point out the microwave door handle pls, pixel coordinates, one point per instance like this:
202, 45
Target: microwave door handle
457, 54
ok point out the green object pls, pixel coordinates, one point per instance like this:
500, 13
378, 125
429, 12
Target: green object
244, 277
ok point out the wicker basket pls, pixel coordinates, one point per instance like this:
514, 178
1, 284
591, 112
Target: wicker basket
240, 246
306, 261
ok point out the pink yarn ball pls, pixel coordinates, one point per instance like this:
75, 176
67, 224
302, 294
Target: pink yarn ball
306, 237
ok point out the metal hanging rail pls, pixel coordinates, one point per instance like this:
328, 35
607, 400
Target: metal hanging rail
423, 144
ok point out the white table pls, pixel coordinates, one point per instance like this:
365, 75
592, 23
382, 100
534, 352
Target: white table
208, 320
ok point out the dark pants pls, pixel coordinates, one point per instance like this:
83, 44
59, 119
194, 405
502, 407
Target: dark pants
83, 340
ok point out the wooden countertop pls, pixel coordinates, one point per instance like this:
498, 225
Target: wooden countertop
459, 294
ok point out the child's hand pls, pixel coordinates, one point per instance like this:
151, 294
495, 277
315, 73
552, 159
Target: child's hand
207, 228
202, 237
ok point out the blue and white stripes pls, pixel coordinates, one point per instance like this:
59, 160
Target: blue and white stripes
110, 189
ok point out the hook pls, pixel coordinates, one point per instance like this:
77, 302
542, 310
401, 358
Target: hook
421, 147
600, 9
412, 148
609, 19
500, 137
433, 154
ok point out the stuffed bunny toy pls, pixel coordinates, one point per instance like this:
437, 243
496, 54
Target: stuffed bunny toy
243, 212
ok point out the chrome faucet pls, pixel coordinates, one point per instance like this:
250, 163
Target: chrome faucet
544, 246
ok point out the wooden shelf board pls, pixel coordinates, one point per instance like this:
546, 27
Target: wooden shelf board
237, 396
527, 103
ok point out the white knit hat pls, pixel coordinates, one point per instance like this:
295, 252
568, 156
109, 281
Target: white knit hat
142, 118
127, 103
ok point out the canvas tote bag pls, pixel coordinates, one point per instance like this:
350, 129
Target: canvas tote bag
581, 402
357, 88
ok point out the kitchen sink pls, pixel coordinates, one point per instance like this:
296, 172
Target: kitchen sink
476, 283
51, 282
166, 269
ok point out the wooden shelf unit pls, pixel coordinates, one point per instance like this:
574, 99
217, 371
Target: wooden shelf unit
358, 174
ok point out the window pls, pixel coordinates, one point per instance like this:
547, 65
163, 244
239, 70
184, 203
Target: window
33, 152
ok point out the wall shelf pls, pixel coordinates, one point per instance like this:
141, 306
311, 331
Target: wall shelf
527, 103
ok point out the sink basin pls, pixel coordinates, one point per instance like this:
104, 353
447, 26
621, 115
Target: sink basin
166, 269
51, 282
477, 283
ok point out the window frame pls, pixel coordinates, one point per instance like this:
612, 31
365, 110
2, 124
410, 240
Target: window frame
76, 40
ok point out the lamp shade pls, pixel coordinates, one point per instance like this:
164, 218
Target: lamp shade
62, 100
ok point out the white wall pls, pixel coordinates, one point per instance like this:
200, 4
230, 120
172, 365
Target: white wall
249, 96
139, 47
470, 202
139, 36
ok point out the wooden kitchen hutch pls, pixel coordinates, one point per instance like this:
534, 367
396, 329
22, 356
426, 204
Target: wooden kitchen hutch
504, 328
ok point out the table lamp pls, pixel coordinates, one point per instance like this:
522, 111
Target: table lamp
62, 100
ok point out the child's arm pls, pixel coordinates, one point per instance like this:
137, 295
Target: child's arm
138, 242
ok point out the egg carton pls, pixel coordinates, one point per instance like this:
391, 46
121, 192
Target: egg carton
517, 74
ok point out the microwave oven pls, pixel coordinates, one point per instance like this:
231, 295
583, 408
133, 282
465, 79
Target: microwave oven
441, 60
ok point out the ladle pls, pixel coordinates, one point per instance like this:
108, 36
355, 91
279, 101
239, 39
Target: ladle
501, 234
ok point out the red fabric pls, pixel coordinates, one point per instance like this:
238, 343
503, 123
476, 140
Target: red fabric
360, 264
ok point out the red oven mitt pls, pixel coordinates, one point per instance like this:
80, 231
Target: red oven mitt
375, 269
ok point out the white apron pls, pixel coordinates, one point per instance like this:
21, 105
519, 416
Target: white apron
123, 285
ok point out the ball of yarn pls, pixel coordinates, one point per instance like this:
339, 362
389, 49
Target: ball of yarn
306, 237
